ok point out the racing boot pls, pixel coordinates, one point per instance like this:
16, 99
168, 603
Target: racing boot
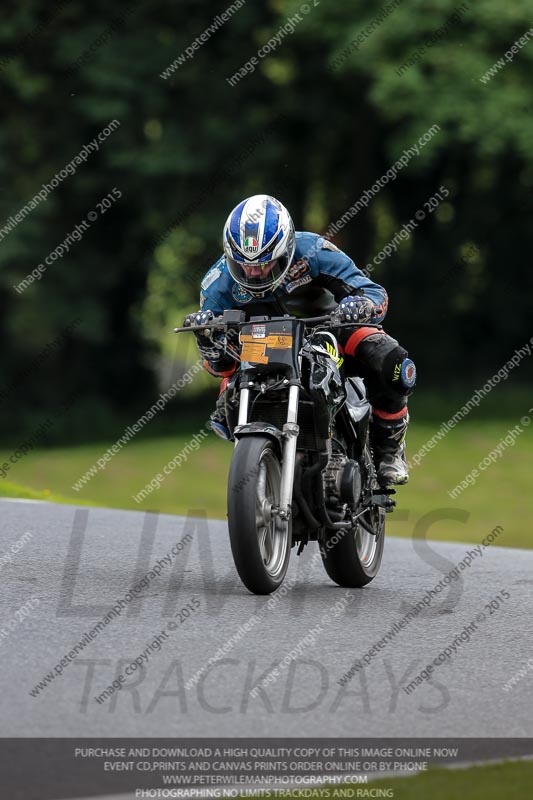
218, 421
387, 437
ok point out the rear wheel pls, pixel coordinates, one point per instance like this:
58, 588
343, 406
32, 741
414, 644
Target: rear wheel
352, 557
260, 540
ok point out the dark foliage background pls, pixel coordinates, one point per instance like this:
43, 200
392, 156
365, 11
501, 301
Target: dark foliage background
315, 124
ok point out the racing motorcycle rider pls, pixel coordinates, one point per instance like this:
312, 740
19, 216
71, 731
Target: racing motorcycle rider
268, 268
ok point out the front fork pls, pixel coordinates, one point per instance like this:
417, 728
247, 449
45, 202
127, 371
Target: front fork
290, 436
290, 432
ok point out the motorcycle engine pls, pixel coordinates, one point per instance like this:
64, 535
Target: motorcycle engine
342, 480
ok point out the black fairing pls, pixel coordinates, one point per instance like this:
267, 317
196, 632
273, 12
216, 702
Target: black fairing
327, 392
274, 345
355, 414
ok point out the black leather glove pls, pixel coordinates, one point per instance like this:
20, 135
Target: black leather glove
354, 308
211, 347
198, 318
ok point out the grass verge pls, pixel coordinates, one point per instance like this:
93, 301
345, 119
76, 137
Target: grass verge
510, 780
14, 490
501, 495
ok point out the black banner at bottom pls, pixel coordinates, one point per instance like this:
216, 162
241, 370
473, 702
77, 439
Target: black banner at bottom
57, 769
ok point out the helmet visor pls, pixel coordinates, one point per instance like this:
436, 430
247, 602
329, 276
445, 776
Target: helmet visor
257, 276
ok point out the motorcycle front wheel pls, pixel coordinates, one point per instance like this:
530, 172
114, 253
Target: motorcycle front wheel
260, 539
352, 557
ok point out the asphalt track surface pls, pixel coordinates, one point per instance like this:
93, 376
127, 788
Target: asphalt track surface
79, 562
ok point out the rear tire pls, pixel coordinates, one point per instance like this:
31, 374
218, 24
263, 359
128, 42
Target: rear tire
260, 541
352, 557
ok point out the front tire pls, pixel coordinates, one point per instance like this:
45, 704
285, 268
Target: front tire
260, 540
352, 558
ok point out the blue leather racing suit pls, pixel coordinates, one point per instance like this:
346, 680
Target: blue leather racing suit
320, 276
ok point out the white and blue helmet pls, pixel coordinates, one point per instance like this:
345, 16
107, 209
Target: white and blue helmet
259, 243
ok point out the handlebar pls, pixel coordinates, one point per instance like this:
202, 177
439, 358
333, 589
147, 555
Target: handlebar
193, 328
219, 323
329, 318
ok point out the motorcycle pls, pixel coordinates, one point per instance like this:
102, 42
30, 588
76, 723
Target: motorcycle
302, 467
